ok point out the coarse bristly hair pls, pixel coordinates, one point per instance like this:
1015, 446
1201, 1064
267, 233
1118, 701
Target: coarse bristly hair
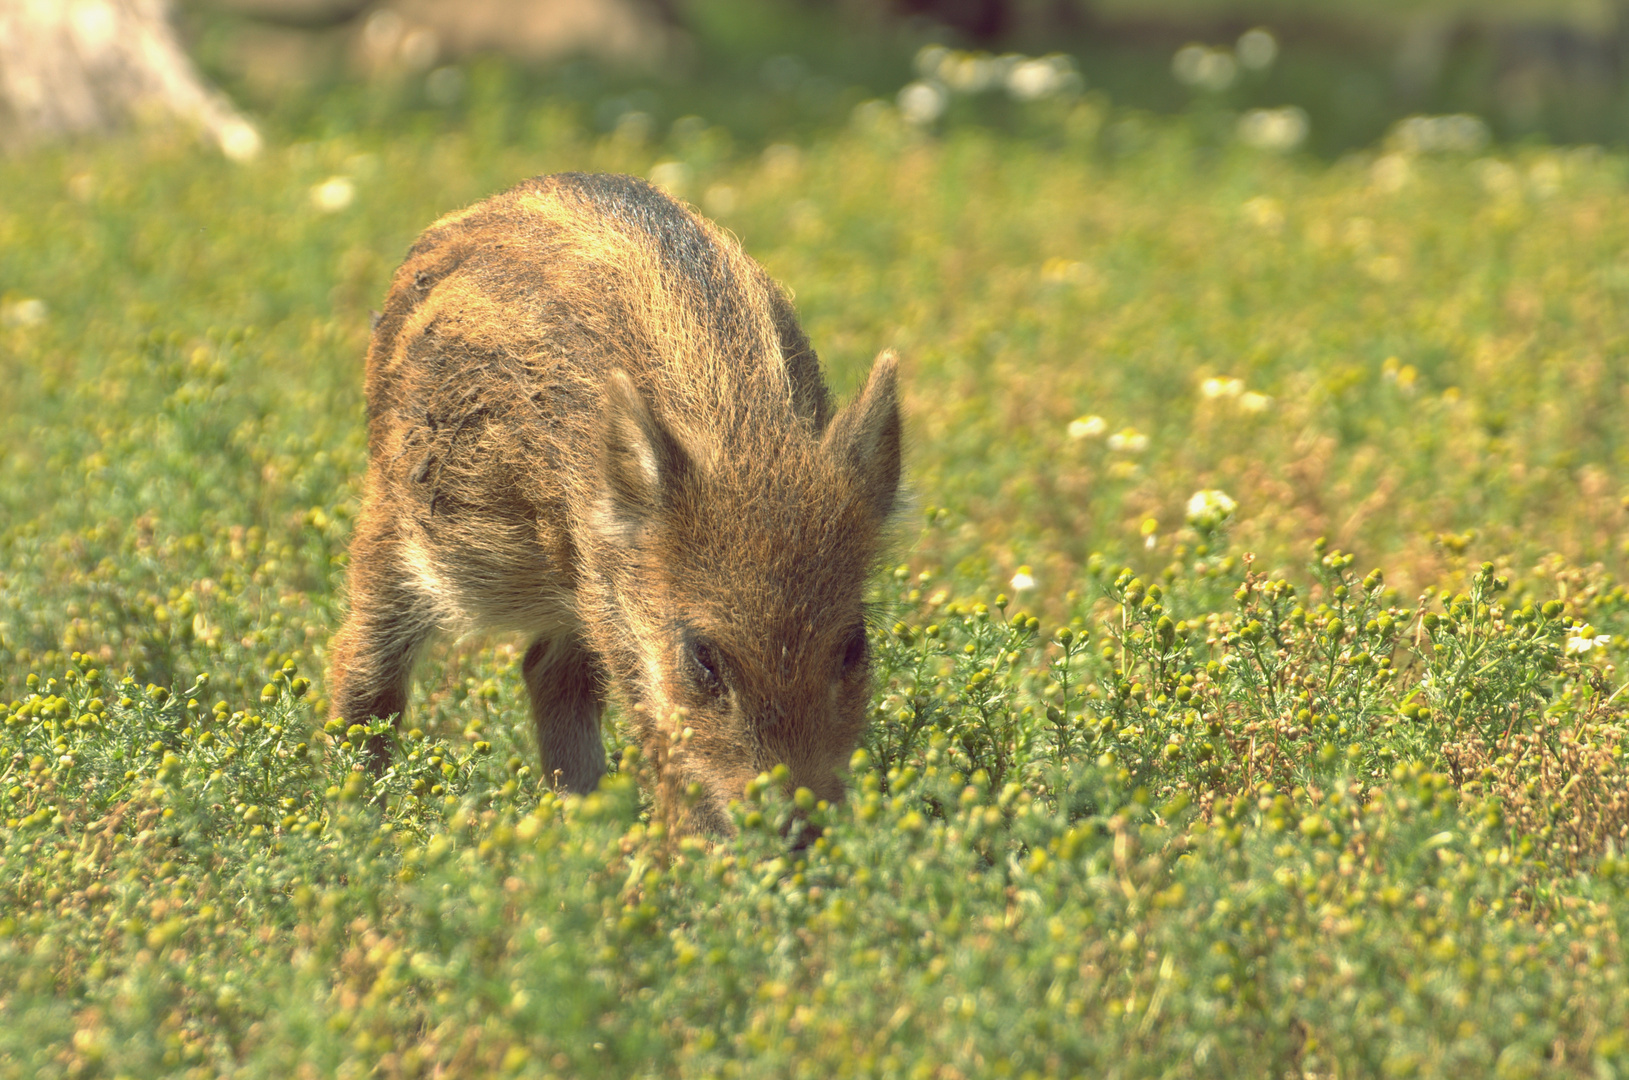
595, 420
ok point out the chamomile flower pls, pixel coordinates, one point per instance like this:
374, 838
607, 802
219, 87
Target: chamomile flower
1581, 638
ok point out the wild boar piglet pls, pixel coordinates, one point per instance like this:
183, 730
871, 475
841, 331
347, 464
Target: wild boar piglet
593, 419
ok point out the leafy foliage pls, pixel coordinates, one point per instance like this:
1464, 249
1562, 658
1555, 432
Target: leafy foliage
167, 919
1147, 791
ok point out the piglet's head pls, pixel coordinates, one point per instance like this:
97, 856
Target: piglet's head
730, 570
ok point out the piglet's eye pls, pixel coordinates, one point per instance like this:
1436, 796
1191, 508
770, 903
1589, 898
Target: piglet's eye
702, 664
855, 651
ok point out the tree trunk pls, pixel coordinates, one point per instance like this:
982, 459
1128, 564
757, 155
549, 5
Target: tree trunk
71, 67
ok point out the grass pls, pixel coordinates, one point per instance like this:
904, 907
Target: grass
1156, 784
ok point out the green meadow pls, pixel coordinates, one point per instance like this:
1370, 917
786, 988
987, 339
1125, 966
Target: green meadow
1247, 696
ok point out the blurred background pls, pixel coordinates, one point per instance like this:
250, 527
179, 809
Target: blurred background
1329, 76
1359, 265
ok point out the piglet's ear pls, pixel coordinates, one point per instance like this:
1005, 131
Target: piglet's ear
642, 464
864, 437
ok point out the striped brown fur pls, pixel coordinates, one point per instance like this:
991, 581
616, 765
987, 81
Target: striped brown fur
595, 420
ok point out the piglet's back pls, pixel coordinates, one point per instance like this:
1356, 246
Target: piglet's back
489, 363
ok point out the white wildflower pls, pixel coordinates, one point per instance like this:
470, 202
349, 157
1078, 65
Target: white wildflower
1276, 130
1128, 441
239, 141
1087, 427
1209, 508
1204, 68
333, 194
1222, 386
922, 103
1023, 579
1033, 79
